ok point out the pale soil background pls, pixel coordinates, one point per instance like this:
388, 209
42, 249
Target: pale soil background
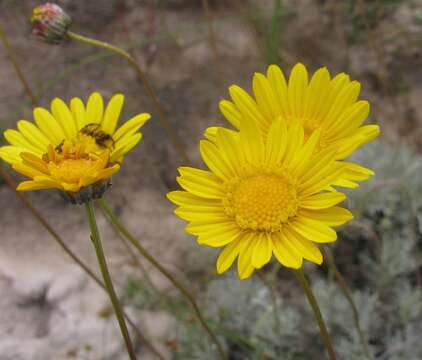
48, 308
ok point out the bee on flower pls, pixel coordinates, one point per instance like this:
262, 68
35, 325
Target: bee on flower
74, 148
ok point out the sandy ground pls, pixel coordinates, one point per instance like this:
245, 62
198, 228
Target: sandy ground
48, 308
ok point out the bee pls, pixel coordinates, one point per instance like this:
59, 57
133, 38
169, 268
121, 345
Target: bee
101, 137
59, 147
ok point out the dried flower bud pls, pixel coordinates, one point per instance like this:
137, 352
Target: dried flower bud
50, 23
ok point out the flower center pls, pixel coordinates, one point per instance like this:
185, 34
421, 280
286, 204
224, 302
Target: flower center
70, 163
262, 202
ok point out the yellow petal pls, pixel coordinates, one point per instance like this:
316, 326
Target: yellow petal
265, 97
63, 115
297, 90
228, 256
231, 113
183, 198
17, 139
131, 126
313, 230
79, 113
112, 113
301, 159
108, 172
26, 170
247, 106
219, 236
49, 126
276, 143
33, 135
296, 137
322, 201
262, 251
244, 263
95, 108
278, 84
284, 253
318, 91
215, 160
306, 248
345, 98
211, 133
201, 183
334, 216
209, 226
251, 143
228, 142
11, 154
37, 185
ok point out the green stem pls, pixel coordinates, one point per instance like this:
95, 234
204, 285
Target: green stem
96, 240
171, 133
12, 57
37, 215
317, 313
347, 293
144, 252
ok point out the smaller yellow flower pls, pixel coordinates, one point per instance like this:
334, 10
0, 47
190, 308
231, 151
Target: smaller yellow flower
72, 148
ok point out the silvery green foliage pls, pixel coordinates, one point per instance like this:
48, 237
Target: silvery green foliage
383, 252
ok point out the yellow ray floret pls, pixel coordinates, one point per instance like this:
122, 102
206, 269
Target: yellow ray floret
69, 169
262, 197
322, 103
70, 147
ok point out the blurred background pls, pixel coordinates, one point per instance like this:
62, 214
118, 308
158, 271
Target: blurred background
49, 309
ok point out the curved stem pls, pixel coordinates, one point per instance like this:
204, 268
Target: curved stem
96, 240
12, 57
144, 252
317, 313
347, 293
172, 135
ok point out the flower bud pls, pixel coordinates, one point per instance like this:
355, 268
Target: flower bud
50, 23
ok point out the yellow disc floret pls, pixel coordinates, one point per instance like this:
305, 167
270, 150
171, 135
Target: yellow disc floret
262, 202
71, 163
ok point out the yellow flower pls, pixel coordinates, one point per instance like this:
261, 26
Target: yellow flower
322, 103
262, 197
72, 147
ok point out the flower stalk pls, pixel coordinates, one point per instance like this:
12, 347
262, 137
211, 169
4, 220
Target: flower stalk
96, 240
300, 276
105, 207
171, 133
347, 293
37, 215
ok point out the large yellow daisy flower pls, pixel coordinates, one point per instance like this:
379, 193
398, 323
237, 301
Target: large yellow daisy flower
72, 147
262, 196
322, 103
